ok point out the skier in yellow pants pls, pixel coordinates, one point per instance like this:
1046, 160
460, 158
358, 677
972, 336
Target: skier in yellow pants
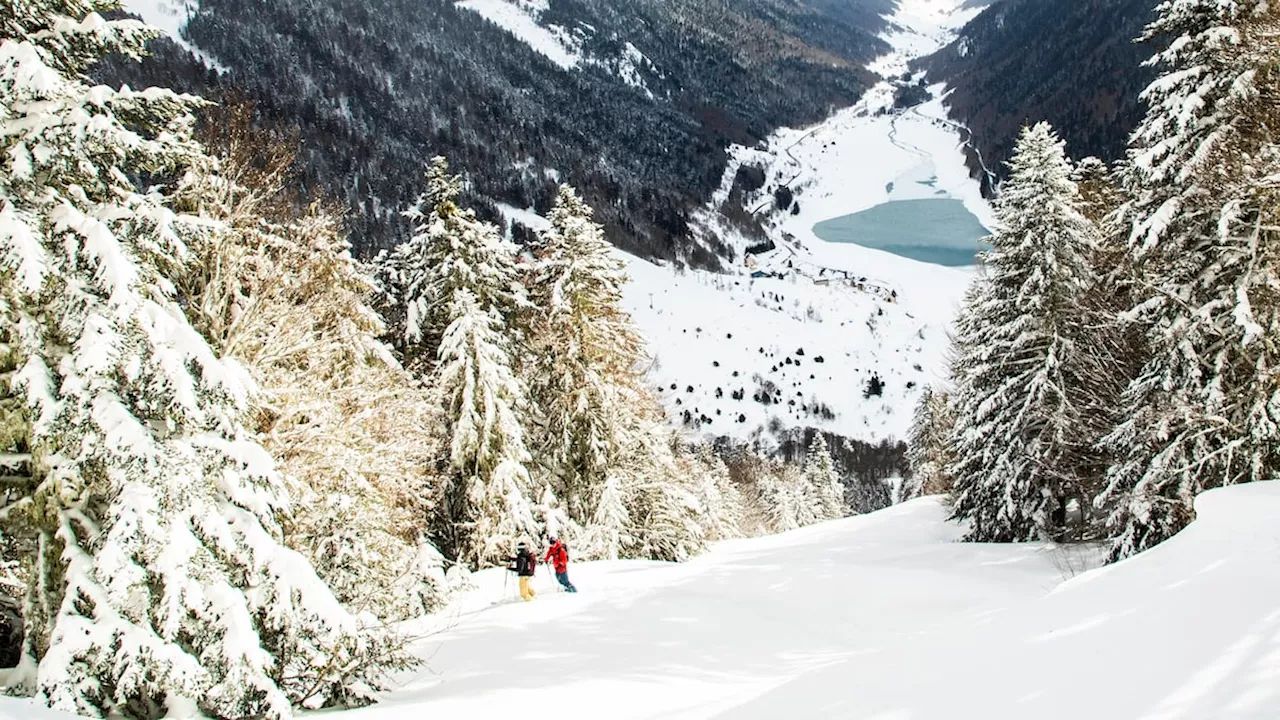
523, 566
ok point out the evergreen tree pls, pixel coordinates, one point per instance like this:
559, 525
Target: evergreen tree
1014, 444
485, 507
928, 446
1202, 411
722, 503
825, 487
159, 577
1110, 348
450, 251
609, 535
667, 517
585, 383
555, 520
779, 491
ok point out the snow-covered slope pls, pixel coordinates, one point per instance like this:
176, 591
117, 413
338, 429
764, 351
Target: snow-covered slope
167, 15
880, 616
732, 354
171, 16
561, 45
1188, 630
520, 18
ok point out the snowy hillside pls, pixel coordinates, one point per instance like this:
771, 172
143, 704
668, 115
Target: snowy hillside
863, 312
879, 616
734, 354
167, 15
171, 16
561, 45
520, 18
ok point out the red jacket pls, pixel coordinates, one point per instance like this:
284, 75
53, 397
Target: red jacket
558, 555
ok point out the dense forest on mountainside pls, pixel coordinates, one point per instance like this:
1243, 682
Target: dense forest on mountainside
373, 95
1074, 63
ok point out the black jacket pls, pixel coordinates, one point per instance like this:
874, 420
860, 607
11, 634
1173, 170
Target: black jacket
524, 563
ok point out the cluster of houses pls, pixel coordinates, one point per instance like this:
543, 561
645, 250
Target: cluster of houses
819, 275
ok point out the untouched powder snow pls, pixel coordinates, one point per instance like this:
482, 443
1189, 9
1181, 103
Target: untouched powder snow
883, 616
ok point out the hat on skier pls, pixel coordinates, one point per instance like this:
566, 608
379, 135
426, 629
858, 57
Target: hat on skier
521, 545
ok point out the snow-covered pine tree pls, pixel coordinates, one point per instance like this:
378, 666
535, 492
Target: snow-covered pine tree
1202, 411
608, 537
485, 508
555, 521
780, 491
159, 579
585, 383
722, 503
1110, 347
824, 485
451, 250
1014, 444
928, 444
667, 519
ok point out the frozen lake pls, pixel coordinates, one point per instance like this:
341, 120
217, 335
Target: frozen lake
938, 230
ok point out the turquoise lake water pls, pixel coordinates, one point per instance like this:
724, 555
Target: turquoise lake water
933, 230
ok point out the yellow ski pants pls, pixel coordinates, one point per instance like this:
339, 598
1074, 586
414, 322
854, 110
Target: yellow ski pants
526, 590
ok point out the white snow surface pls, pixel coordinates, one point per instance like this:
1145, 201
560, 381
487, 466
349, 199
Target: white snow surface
167, 15
171, 16
520, 18
883, 616
817, 344
880, 616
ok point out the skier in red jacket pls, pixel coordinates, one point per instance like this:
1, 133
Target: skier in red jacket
558, 556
